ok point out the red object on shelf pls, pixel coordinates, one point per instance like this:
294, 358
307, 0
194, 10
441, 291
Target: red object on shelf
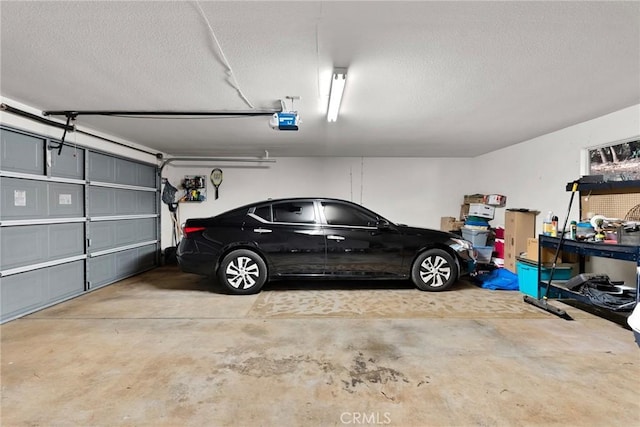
498, 247
499, 232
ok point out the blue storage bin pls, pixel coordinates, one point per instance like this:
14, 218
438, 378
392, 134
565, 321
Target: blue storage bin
528, 278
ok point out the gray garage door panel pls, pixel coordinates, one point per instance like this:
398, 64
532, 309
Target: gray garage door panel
112, 267
69, 164
101, 201
23, 198
113, 234
101, 167
140, 174
147, 257
147, 203
137, 230
23, 246
102, 270
66, 200
29, 199
66, 240
147, 176
32, 290
34, 244
105, 168
104, 201
21, 153
45, 222
135, 202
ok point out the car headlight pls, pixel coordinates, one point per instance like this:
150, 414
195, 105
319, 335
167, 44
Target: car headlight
463, 244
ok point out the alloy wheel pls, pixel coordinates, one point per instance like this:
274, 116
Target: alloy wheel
242, 272
435, 271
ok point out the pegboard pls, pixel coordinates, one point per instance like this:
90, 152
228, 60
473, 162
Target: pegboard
609, 205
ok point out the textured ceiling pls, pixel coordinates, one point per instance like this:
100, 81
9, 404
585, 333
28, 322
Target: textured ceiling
430, 79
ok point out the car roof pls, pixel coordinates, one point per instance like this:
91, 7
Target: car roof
300, 199
290, 199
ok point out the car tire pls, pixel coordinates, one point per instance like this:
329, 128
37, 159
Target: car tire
242, 272
434, 270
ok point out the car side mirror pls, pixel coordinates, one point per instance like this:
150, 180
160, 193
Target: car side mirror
383, 224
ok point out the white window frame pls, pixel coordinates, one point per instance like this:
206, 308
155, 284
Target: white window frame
585, 159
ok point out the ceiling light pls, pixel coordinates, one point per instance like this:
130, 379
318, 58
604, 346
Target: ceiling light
338, 81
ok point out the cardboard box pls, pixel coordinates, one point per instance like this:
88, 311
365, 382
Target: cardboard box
547, 253
518, 227
495, 200
449, 223
473, 198
481, 210
464, 211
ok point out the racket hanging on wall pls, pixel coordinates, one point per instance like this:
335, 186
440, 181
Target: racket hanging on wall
216, 180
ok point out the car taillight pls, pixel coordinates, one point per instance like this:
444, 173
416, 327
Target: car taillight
189, 230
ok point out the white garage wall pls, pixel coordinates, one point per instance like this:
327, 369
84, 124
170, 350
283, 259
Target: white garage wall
406, 190
533, 174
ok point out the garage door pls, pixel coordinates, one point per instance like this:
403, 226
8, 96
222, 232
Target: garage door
70, 223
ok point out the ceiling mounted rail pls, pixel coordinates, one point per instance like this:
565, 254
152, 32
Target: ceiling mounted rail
68, 128
72, 115
35, 117
161, 114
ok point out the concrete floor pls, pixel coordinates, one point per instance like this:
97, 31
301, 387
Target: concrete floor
158, 349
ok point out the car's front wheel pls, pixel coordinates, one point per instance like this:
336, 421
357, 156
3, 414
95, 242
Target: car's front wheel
242, 272
434, 270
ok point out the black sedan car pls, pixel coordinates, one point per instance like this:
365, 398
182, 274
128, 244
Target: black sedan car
318, 238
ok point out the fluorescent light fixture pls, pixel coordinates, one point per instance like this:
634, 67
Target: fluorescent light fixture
338, 81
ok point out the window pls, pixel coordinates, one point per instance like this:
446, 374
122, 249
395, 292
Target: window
296, 212
339, 214
617, 162
263, 212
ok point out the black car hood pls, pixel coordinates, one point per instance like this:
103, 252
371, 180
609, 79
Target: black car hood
418, 231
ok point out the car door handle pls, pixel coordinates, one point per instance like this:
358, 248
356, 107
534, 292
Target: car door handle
262, 230
334, 237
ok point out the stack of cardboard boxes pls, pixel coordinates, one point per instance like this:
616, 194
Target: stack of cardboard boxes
468, 200
479, 205
475, 213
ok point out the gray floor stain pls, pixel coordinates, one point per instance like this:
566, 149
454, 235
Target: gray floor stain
366, 370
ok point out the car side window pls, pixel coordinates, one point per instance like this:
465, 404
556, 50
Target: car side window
263, 212
297, 212
339, 214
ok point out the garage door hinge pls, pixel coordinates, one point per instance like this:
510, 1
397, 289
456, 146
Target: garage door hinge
88, 242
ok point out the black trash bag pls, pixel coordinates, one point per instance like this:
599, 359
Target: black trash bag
169, 193
169, 196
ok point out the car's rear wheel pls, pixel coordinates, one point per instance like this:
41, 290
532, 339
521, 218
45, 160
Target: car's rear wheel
242, 272
434, 270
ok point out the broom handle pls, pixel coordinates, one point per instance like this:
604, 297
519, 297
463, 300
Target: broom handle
574, 189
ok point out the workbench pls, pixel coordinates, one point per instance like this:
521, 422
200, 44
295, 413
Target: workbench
583, 249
